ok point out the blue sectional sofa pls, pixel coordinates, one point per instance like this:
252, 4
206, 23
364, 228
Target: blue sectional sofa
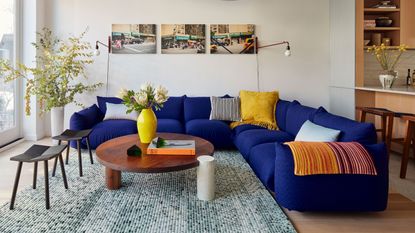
264, 150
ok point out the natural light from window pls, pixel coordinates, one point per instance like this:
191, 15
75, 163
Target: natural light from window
7, 90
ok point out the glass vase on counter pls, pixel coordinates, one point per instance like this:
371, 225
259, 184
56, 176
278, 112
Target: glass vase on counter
387, 78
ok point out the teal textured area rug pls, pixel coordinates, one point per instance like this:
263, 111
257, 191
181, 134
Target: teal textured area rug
165, 202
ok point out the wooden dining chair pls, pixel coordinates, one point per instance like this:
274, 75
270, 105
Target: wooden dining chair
409, 140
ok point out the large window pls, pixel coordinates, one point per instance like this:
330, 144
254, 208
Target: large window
8, 91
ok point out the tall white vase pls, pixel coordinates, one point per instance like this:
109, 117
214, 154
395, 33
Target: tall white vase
56, 118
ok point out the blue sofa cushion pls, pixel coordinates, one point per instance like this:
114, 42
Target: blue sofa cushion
241, 128
86, 118
169, 126
297, 114
262, 161
331, 192
110, 129
365, 133
281, 114
250, 138
217, 132
102, 102
196, 108
172, 109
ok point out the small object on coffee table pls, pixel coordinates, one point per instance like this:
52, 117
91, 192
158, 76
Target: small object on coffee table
160, 146
134, 151
159, 142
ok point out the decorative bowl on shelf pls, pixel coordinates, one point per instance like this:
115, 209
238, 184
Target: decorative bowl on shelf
383, 22
367, 42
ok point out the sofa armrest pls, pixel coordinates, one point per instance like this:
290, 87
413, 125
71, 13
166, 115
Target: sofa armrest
342, 192
86, 118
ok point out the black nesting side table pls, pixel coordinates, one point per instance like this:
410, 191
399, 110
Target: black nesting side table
35, 154
74, 135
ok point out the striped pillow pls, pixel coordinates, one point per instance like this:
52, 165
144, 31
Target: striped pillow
225, 109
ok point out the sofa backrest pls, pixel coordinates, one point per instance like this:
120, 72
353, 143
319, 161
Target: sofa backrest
281, 113
102, 102
351, 130
173, 109
86, 118
297, 114
196, 108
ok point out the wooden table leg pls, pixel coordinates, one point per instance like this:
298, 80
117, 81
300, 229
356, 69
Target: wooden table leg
362, 116
389, 133
407, 142
67, 153
16, 184
47, 185
78, 144
112, 178
34, 175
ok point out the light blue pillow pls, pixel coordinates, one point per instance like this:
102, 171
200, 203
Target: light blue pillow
118, 112
311, 132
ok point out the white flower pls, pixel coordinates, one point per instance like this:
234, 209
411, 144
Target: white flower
141, 98
123, 92
145, 86
160, 90
160, 95
160, 98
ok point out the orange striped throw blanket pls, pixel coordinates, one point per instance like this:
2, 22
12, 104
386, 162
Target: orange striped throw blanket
312, 158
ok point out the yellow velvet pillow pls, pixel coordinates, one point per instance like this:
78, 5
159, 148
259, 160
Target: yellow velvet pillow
258, 108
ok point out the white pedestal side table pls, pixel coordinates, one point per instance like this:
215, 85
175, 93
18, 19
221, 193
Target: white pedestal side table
206, 178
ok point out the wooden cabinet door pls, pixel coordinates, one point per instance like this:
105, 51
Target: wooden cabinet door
408, 23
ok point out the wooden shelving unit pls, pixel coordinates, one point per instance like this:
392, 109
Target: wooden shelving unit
398, 32
383, 29
392, 32
380, 10
402, 31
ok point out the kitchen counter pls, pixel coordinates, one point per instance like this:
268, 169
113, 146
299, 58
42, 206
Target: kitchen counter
404, 90
397, 99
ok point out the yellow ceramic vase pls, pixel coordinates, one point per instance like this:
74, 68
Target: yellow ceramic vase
147, 125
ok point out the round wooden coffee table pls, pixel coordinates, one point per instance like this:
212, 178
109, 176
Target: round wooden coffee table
113, 155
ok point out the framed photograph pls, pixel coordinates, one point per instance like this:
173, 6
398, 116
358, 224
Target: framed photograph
134, 39
183, 38
232, 38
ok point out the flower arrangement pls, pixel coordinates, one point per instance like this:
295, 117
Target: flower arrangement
387, 57
147, 97
54, 79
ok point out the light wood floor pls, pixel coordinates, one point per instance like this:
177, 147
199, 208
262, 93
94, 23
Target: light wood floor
399, 217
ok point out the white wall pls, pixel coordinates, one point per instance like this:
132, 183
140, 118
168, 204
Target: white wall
342, 57
303, 76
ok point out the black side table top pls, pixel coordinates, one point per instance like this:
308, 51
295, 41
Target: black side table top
39, 153
69, 135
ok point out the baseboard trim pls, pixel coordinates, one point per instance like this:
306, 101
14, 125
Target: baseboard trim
12, 144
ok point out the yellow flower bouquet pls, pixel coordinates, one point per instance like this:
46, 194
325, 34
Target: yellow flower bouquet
388, 58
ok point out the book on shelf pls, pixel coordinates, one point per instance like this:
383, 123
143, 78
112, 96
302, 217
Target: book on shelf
369, 23
387, 7
171, 147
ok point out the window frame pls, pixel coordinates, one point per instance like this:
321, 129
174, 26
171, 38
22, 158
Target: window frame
12, 134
